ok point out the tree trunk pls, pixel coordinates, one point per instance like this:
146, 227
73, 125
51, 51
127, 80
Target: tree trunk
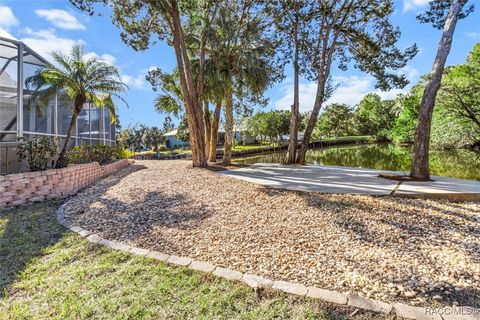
420, 165
62, 161
192, 105
208, 127
214, 132
295, 108
312, 122
227, 150
323, 74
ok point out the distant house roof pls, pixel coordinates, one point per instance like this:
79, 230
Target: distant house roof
172, 133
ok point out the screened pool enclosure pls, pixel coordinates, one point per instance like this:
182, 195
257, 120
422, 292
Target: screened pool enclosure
20, 117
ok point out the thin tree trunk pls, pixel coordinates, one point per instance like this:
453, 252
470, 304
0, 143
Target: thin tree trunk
312, 122
62, 161
292, 144
214, 132
421, 146
208, 127
323, 72
227, 152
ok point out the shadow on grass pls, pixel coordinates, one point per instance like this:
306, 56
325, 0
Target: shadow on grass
25, 233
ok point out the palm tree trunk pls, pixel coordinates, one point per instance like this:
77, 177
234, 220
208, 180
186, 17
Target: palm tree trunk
214, 132
421, 146
227, 152
62, 161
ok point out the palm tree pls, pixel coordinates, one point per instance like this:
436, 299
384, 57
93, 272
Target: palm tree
153, 139
241, 57
170, 100
82, 80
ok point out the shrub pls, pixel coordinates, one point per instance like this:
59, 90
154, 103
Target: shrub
124, 153
38, 152
102, 154
382, 135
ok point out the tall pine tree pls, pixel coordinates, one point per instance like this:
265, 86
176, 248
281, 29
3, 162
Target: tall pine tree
443, 15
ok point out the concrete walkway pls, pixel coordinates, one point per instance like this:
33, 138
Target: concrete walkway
347, 180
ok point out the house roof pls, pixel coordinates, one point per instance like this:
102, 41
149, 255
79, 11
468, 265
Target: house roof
170, 133
174, 132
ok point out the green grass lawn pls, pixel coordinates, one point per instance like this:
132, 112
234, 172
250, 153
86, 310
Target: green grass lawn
49, 272
345, 138
163, 153
241, 148
248, 147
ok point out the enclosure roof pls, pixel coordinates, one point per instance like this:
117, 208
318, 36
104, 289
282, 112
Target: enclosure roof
10, 50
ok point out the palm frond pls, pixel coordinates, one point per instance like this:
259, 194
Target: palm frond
165, 103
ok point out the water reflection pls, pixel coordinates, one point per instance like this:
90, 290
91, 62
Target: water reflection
464, 164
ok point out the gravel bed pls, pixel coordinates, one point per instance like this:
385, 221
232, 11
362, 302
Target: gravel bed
422, 252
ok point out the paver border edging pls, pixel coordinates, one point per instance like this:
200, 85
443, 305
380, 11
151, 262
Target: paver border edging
255, 282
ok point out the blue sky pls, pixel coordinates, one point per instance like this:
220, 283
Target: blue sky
47, 25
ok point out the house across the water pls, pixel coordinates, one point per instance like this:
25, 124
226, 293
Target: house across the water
174, 142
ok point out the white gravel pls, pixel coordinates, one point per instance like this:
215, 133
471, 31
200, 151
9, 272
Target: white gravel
391, 249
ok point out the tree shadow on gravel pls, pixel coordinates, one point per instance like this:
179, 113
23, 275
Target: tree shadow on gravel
131, 221
136, 221
404, 226
116, 177
25, 233
454, 212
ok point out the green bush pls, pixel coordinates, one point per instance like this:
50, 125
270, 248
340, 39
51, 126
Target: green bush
38, 151
383, 135
102, 154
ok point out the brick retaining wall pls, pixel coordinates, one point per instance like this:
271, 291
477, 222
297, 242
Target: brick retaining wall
21, 188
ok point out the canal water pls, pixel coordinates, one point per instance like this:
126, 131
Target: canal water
463, 164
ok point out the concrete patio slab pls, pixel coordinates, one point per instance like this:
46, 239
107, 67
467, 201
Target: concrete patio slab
348, 180
441, 187
315, 178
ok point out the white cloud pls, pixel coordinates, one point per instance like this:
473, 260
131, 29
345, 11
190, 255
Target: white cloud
349, 90
135, 82
307, 92
411, 73
6, 34
107, 58
352, 89
61, 19
414, 4
7, 18
45, 41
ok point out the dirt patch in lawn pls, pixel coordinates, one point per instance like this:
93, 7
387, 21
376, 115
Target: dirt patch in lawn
422, 252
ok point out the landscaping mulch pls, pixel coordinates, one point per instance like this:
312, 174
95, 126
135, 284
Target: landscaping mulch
422, 252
